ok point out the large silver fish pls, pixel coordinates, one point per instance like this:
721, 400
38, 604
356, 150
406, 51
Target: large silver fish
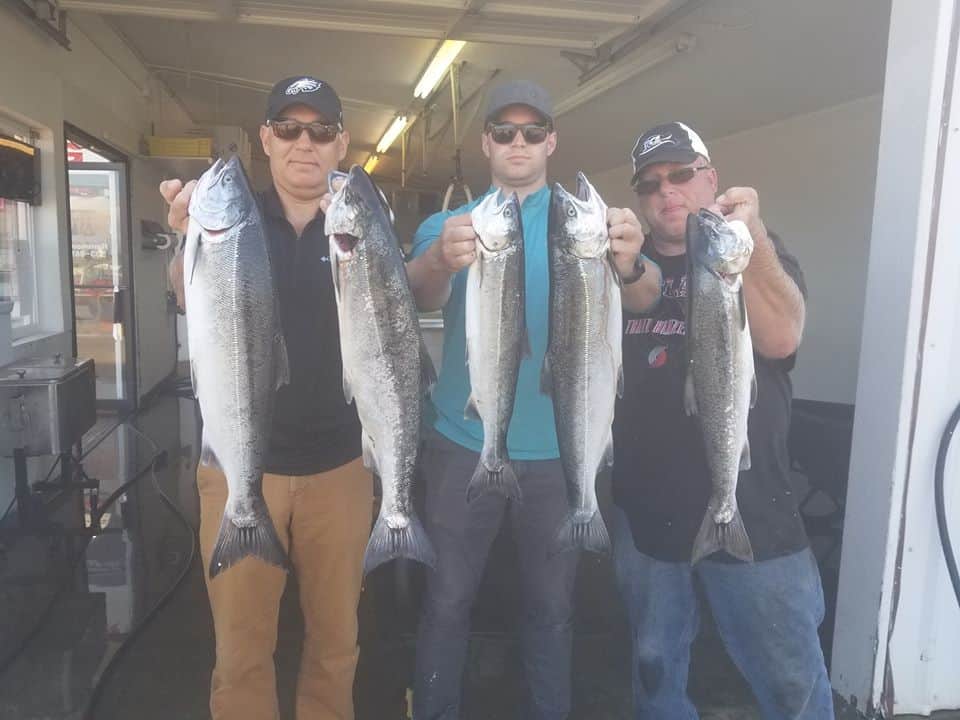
583, 367
496, 332
386, 368
721, 386
238, 358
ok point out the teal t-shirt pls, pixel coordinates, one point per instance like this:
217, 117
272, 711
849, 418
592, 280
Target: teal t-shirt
532, 434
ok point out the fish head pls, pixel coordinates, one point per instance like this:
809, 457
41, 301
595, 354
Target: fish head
497, 222
356, 204
579, 222
722, 247
222, 198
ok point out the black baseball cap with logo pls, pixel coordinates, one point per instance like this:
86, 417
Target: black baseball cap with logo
305, 90
670, 142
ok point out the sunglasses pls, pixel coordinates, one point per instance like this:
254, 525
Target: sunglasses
504, 133
287, 129
680, 176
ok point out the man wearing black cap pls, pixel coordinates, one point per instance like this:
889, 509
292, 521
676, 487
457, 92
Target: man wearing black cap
518, 137
316, 488
767, 611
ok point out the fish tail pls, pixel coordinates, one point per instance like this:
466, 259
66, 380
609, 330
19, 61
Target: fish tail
387, 543
730, 537
579, 534
503, 480
258, 540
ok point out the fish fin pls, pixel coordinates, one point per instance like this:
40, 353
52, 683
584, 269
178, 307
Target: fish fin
753, 391
745, 461
524, 342
207, 455
347, 390
608, 453
428, 373
387, 543
470, 411
193, 378
620, 380
574, 535
258, 540
369, 454
689, 394
282, 366
503, 481
191, 251
714, 537
743, 307
546, 377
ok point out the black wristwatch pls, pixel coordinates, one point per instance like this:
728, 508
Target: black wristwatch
639, 268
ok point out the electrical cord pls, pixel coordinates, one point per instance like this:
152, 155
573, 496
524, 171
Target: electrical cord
939, 499
109, 669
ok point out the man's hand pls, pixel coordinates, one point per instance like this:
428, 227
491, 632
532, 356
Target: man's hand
177, 196
626, 239
456, 248
328, 195
742, 203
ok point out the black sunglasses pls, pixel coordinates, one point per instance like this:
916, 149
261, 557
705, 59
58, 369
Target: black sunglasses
504, 133
319, 132
680, 176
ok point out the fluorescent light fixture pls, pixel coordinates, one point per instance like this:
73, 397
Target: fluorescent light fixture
371, 163
438, 66
399, 123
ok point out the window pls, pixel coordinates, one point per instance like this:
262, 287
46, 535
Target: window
18, 267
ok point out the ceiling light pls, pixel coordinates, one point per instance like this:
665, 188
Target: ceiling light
438, 66
371, 163
399, 123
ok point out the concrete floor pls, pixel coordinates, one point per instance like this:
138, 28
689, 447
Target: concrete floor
164, 671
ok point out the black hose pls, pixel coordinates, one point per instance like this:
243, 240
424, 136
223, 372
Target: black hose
948, 554
97, 692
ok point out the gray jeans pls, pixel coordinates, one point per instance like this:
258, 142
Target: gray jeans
462, 535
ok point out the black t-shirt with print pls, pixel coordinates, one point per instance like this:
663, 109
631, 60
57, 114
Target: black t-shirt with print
660, 475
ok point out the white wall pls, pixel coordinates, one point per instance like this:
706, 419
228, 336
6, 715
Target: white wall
102, 88
815, 175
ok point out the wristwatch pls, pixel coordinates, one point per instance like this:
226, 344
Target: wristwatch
639, 268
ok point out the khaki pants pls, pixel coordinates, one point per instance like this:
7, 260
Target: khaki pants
324, 522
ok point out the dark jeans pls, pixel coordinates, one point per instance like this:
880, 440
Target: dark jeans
462, 535
767, 614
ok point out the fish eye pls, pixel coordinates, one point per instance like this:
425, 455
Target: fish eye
571, 211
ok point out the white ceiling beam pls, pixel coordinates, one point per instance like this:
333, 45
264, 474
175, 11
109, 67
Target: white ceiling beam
534, 34
626, 69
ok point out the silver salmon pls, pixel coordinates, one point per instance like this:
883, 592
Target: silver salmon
721, 386
496, 331
386, 368
238, 357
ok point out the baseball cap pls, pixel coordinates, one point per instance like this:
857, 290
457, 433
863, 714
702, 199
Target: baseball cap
305, 90
519, 92
670, 142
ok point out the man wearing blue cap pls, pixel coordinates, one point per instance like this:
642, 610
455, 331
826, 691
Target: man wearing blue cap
518, 137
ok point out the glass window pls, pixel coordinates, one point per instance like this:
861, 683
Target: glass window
18, 267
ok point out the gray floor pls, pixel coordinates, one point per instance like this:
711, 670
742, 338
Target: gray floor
87, 611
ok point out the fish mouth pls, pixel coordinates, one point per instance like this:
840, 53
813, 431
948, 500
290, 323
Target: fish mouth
346, 243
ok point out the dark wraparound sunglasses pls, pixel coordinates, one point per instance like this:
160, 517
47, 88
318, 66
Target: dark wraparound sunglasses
287, 129
680, 176
504, 133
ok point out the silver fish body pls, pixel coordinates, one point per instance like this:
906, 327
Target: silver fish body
496, 333
583, 367
721, 385
386, 368
238, 356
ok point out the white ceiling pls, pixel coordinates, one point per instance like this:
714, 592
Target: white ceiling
751, 62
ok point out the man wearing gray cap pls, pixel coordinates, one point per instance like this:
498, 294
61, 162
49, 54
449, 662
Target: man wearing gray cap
518, 137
